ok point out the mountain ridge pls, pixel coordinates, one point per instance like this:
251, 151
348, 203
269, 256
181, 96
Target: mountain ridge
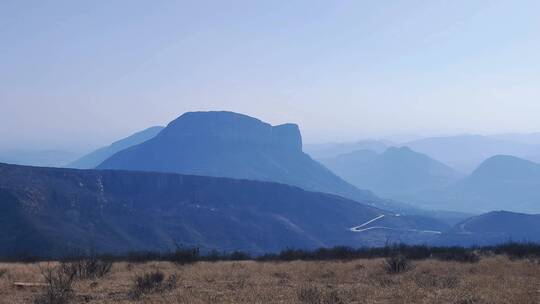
94, 158
53, 211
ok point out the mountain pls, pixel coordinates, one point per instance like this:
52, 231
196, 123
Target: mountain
227, 144
329, 150
466, 152
49, 158
54, 211
95, 158
500, 182
494, 228
397, 173
526, 138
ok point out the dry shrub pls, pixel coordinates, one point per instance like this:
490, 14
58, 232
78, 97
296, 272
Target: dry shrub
59, 282
152, 282
3, 272
88, 268
397, 264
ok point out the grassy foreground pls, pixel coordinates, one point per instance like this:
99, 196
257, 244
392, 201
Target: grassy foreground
493, 279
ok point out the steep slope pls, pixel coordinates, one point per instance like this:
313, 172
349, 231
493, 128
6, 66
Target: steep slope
493, 228
501, 182
397, 173
51, 211
226, 144
95, 158
466, 152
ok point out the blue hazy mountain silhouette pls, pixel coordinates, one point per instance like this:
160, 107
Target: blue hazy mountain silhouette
330, 150
466, 152
227, 144
96, 157
46, 158
54, 211
493, 228
397, 173
500, 182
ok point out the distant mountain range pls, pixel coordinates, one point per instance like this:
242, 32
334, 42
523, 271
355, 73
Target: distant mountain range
465, 152
227, 144
46, 158
330, 150
227, 181
51, 211
501, 182
397, 173
526, 138
95, 158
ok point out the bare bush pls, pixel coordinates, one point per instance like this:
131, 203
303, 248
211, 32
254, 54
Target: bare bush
397, 264
88, 268
59, 282
3, 272
152, 282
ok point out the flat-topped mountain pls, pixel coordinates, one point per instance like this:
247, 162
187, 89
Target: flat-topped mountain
95, 158
227, 144
52, 211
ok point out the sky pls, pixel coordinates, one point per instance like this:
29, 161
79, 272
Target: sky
81, 74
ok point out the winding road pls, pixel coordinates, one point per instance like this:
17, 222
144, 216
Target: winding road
362, 229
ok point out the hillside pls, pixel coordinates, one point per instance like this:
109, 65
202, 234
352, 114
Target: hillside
494, 228
397, 173
227, 144
54, 211
95, 158
501, 182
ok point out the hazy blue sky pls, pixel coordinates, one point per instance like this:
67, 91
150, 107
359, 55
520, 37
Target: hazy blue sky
82, 73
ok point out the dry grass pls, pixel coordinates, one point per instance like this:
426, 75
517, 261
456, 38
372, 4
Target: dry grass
492, 280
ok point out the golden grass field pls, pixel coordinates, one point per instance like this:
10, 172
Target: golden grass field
492, 280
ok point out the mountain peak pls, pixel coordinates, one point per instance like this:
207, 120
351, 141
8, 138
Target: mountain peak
224, 127
506, 166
